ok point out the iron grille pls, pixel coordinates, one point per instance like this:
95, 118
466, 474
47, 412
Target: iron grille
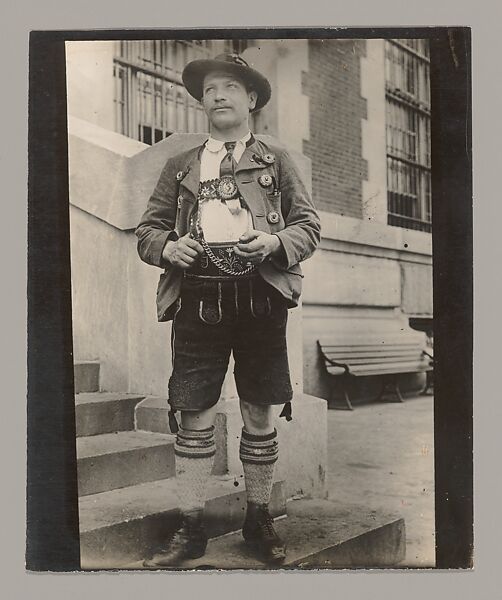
408, 134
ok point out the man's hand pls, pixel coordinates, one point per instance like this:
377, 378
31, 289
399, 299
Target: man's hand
183, 252
256, 246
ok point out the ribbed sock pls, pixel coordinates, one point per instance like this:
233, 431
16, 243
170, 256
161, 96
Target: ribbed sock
194, 455
258, 454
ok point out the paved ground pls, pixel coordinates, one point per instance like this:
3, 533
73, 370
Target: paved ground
382, 456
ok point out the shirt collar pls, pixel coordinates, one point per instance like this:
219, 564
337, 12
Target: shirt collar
214, 145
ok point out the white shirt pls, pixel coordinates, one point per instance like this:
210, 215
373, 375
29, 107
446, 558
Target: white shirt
218, 223
213, 154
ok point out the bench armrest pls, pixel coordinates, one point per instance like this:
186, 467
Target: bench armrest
337, 364
332, 362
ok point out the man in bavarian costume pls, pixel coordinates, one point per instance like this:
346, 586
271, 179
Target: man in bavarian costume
229, 222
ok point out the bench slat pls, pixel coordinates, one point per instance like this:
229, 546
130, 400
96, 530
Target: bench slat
375, 360
387, 369
369, 347
338, 356
406, 337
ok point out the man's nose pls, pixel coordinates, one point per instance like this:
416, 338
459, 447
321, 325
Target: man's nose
220, 94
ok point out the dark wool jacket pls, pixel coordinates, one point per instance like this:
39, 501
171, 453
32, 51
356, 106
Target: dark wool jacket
175, 198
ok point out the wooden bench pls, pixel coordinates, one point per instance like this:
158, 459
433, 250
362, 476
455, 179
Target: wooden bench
365, 357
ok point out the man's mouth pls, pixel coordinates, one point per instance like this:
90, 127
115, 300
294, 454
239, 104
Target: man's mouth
218, 108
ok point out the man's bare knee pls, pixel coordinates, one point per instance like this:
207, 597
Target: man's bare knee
197, 420
258, 419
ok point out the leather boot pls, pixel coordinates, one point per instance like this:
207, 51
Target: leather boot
188, 541
258, 531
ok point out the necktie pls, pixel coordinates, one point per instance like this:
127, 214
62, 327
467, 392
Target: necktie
227, 165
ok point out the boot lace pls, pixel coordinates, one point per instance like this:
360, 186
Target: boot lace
266, 524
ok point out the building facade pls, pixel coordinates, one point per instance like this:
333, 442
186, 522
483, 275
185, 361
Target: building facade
356, 114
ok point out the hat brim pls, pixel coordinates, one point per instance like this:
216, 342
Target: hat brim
194, 73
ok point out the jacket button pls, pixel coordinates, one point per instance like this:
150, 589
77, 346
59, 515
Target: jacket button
180, 200
265, 180
273, 217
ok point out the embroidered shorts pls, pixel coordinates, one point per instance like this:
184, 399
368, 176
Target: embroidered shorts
247, 317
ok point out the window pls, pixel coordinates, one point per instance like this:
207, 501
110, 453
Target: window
408, 133
150, 100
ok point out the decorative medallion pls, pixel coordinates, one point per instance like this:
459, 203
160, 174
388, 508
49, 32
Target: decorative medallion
265, 180
227, 187
273, 217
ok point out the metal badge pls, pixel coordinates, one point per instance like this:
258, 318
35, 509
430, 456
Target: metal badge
265, 180
227, 187
179, 175
273, 217
269, 159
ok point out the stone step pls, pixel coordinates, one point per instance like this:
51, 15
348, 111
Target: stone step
320, 534
116, 460
126, 525
152, 415
104, 412
86, 376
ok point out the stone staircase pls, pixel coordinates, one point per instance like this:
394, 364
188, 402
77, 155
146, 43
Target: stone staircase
125, 463
127, 500
319, 534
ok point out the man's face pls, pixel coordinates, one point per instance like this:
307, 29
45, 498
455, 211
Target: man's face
226, 100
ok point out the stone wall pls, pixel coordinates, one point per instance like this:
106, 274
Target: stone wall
332, 84
90, 84
365, 278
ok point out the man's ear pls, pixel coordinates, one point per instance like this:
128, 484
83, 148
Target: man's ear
253, 97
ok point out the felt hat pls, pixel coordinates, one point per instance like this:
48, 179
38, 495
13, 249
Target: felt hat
195, 71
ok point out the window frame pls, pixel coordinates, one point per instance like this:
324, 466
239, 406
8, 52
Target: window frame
407, 92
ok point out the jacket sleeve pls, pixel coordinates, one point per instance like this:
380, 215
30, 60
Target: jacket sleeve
302, 232
158, 221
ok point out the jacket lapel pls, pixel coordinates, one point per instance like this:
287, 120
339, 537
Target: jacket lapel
191, 180
248, 160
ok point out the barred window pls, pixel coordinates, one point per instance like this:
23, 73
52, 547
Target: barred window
150, 99
407, 66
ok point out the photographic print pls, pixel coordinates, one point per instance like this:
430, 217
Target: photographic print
250, 234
